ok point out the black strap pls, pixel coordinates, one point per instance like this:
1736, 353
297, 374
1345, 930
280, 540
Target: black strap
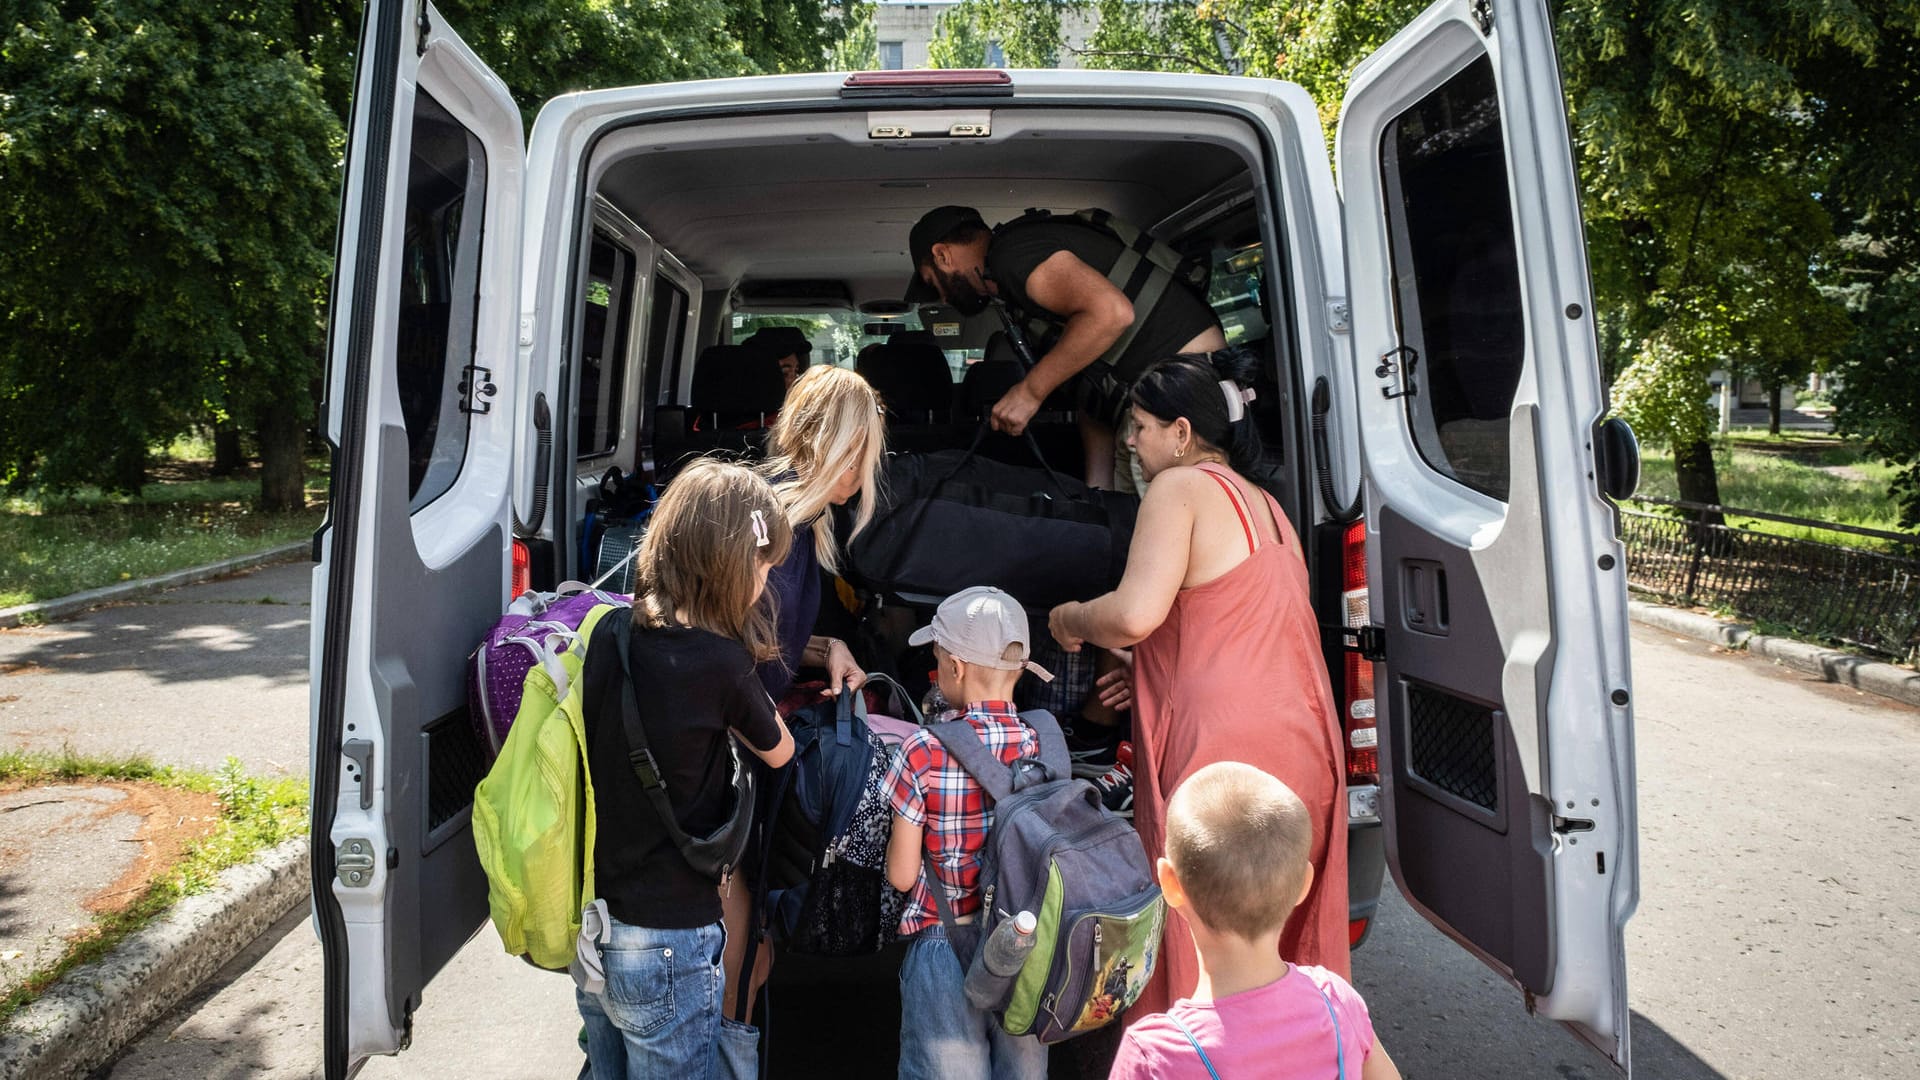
723, 846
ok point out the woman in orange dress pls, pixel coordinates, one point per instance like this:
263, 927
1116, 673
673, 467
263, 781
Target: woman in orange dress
1226, 661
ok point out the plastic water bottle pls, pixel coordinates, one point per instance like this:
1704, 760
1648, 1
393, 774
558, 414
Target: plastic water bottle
995, 965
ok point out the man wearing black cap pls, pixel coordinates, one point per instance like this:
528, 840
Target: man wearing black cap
1055, 270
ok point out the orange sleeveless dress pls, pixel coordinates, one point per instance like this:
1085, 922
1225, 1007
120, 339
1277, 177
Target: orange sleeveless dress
1236, 674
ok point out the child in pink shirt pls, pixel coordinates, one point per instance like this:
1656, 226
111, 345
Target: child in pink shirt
1236, 865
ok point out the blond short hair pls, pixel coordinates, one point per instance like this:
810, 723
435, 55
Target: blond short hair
702, 554
1240, 841
832, 420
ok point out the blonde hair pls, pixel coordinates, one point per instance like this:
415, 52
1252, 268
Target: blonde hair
1239, 841
832, 420
702, 554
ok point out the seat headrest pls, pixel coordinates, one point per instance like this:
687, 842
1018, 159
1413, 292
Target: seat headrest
782, 341
911, 377
987, 382
913, 337
735, 379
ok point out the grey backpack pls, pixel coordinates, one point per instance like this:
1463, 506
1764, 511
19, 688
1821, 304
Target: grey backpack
1056, 851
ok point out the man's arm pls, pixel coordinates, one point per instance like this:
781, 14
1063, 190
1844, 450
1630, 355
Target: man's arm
1097, 313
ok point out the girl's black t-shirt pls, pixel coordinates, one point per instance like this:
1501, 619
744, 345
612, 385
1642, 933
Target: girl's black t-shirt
693, 686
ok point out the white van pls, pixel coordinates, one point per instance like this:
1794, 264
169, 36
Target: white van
512, 321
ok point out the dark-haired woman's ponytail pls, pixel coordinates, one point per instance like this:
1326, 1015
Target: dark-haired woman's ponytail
1238, 367
1213, 392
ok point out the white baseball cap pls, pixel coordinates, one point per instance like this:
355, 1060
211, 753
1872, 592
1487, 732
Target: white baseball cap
977, 625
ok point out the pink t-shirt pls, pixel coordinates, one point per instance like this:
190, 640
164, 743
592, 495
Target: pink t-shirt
1280, 1031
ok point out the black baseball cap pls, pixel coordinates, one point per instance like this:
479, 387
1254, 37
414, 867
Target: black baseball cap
933, 227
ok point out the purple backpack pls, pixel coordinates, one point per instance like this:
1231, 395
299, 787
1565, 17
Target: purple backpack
536, 629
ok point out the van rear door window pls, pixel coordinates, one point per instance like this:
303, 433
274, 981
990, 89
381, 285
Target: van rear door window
666, 334
1456, 276
440, 269
603, 348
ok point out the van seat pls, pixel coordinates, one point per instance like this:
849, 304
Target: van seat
913, 379
737, 392
1054, 426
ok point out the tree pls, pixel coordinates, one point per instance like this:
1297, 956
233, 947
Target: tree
858, 48
957, 40
166, 206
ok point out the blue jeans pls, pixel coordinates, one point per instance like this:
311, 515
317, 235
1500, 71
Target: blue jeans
659, 1014
942, 1037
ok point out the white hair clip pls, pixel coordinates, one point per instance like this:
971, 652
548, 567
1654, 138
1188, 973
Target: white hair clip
1238, 398
760, 537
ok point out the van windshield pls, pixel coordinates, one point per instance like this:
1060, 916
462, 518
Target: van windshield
838, 336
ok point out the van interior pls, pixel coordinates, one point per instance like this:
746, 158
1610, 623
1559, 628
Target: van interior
702, 234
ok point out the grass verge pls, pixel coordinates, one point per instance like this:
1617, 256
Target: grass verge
59, 545
255, 814
1799, 474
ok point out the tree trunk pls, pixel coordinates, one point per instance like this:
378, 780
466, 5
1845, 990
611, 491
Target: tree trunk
1693, 470
1773, 410
127, 472
283, 464
227, 457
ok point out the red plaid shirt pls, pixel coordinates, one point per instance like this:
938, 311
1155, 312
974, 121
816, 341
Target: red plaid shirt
931, 790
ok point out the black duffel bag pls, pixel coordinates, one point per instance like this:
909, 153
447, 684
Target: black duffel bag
953, 519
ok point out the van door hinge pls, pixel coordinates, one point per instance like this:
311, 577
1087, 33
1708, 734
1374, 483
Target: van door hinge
1369, 641
476, 383
1339, 315
1483, 16
424, 29
1397, 363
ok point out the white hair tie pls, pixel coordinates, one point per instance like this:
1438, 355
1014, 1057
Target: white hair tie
1238, 398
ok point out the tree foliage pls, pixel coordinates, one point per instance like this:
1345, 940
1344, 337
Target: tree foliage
166, 200
858, 47
168, 195
957, 40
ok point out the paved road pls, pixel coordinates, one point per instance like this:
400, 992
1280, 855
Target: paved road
1776, 937
189, 676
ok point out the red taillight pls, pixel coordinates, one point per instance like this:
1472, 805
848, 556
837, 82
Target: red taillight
1356, 929
1363, 739
522, 569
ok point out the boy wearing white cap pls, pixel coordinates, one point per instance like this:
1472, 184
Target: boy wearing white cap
941, 817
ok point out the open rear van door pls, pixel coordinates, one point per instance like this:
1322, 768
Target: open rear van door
1497, 576
414, 558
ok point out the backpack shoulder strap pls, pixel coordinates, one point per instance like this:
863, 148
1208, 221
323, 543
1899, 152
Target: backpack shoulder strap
1053, 742
964, 746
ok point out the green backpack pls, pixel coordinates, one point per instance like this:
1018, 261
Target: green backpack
533, 818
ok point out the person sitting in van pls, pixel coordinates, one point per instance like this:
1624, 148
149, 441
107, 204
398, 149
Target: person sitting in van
699, 628
787, 344
824, 449
1054, 269
941, 817
1235, 867
1227, 661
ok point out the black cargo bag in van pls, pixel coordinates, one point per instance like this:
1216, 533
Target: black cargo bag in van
954, 519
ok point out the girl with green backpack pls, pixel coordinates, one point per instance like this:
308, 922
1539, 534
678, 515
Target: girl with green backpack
665, 697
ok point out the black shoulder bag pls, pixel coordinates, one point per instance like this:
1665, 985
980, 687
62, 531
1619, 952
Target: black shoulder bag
717, 854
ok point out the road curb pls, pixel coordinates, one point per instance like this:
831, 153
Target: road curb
92, 1013
1847, 669
65, 606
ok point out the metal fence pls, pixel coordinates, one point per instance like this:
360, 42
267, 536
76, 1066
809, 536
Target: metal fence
1865, 597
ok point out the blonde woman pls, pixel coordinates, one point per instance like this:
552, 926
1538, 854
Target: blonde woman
824, 450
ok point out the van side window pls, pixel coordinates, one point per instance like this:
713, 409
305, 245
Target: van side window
603, 347
1456, 276
666, 336
440, 295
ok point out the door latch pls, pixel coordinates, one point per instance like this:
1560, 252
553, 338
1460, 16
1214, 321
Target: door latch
476, 390
1397, 363
353, 862
1369, 641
